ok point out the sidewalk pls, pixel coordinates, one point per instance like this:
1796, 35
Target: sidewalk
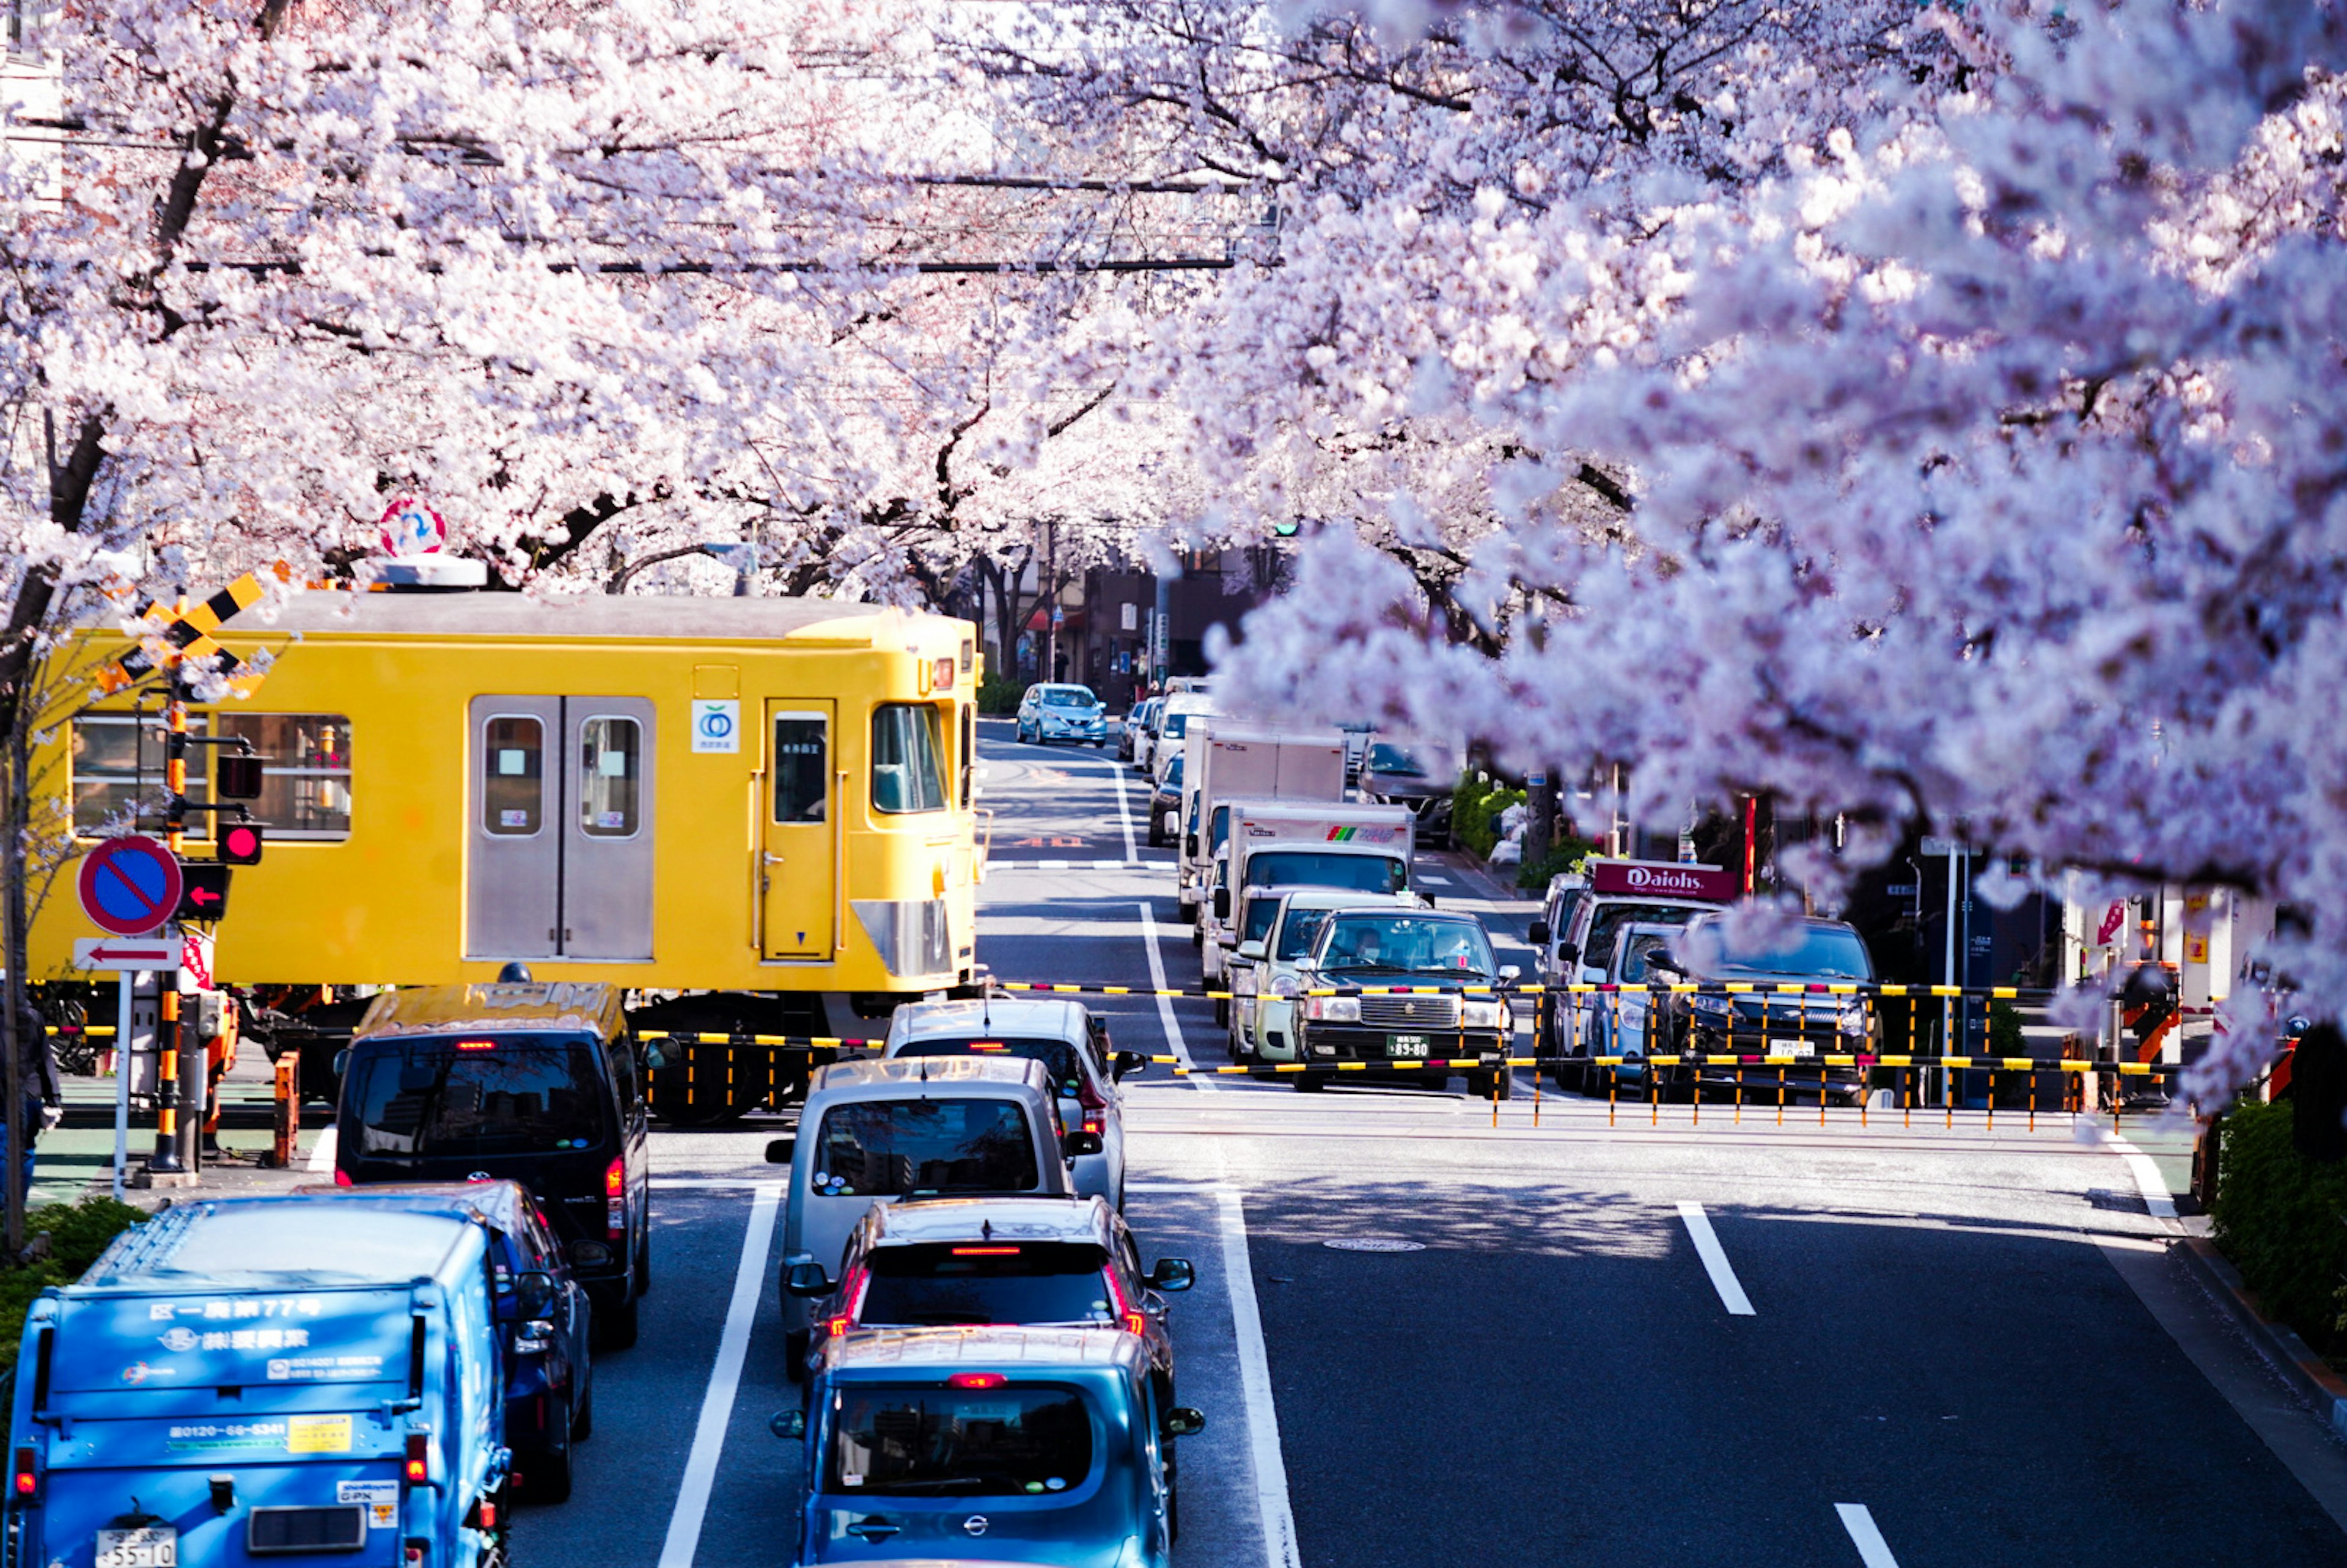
76, 1159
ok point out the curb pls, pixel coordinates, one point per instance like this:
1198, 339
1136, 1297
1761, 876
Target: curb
2299, 1365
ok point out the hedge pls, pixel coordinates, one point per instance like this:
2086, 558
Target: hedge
2279, 1217
77, 1232
1475, 808
996, 696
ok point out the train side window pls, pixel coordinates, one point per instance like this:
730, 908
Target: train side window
907, 764
117, 765
513, 776
305, 772
611, 789
802, 766
969, 750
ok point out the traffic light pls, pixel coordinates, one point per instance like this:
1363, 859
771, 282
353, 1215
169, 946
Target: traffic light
238, 844
203, 890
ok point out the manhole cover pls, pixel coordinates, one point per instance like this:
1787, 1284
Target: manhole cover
1373, 1243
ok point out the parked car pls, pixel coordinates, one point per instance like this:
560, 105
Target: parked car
1145, 744
243, 1380
935, 1261
549, 1359
1792, 1033
1263, 971
1404, 948
1053, 712
534, 1082
1579, 921
918, 1127
1133, 733
1064, 1036
986, 1445
1626, 1020
1165, 802
1418, 778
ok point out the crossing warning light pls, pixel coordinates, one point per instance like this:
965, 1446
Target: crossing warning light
240, 842
203, 893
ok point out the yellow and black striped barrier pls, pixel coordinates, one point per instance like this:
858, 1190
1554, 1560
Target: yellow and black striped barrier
1578, 988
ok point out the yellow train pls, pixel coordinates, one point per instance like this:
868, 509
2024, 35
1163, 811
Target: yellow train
751, 813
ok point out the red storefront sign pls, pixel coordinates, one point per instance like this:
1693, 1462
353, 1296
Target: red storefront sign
1663, 879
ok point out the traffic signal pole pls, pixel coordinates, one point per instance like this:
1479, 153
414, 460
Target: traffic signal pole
165, 1160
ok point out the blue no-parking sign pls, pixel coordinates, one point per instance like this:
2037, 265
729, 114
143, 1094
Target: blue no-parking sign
129, 886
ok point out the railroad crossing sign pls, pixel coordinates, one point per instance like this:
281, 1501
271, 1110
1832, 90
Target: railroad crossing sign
129, 886
189, 635
164, 950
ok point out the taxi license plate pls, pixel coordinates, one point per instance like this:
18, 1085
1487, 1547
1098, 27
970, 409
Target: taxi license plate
149, 1546
1411, 1045
1791, 1048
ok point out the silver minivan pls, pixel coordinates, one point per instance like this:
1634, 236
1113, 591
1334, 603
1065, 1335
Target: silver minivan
927, 1126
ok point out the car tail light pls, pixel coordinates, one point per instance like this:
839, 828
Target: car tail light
28, 1479
1096, 1125
975, 1380
615, 1205
988, 1045
342, 1178
615, 1177
419, 1458
1135, 1322
852, 1288
985, 1252
476, 1045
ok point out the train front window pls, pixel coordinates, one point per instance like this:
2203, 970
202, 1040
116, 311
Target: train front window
802, 762
609, 777
513, 776
907, 759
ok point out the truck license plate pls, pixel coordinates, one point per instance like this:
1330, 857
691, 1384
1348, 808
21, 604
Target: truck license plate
1412, 1045
149, 1546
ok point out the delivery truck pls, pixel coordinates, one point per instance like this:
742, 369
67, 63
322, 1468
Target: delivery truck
238, 1381
1235, 761
1301, 844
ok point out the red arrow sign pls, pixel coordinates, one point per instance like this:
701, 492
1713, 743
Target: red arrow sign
199, 896
105, 954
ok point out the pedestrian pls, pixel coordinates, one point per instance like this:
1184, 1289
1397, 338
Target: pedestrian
44, 1099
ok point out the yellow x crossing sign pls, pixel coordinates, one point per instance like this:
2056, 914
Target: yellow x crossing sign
189, 635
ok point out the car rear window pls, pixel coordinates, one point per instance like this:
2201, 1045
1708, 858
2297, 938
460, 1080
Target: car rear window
890, 1148
1607, 923
1319, 868
476, 1097
1058, 1057
986, 1282
1010, 1440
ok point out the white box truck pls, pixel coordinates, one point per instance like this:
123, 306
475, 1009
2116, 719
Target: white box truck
1302, 843
1235, 761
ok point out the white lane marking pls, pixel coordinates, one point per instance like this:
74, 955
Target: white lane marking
2147, 1179
1124, 818
322, 1154
724, 1381
1872, 1550
1714, 1261
1254, 1380
1433, 881
1171, 1025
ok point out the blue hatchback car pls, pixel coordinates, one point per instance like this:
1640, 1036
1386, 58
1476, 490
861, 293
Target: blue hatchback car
986, 1445
1054, 712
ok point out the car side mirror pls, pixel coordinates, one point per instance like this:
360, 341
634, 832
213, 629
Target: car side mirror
534, 1294
1510, 973
788, 1425
806, 1280
1222, 902
1251, 951
1130, 1061
1173, 1273
342, 1061
1076, 1144
1182, 1421
1568, 952
1190, 845
779, 1151
1537, 934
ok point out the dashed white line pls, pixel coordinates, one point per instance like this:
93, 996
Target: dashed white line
1872, 1550
1714, 1261
1124, 818
724, 1381
1171, 1025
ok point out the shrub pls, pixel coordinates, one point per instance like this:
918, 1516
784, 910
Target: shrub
2005, 1035
77, 1232
998, 696
1475, 808
1565, 855
2278, 1218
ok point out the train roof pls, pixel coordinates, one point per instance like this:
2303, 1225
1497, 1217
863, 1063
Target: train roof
619, 617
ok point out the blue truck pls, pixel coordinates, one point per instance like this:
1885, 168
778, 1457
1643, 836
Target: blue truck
251, 1380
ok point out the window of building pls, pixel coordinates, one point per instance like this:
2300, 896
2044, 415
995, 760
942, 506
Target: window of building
907, 759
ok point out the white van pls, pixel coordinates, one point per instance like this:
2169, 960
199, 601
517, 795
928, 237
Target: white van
923, 1126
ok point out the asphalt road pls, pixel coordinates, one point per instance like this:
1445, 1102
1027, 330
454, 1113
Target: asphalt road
1423, 1331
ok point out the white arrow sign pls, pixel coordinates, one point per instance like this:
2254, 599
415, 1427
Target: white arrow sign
160, 951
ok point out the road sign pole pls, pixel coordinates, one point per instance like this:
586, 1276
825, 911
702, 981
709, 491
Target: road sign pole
166, 1158
123, 1036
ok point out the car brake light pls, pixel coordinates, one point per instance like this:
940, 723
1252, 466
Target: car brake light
419, 1457
342, 1178
1096, 1125
476, 1045
988, 1045
1135, 1322
28, 1479
985, 1252
615, 1178
615, 1204
975, 1380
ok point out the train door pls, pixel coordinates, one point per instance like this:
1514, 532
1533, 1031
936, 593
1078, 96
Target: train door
607, 836
513, 872
560, 858
798, 868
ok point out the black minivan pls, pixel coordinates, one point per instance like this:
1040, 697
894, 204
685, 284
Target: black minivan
535, 1081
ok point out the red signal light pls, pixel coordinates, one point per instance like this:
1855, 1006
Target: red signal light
240, 842
28, 1479
419, 1458
975, 1380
